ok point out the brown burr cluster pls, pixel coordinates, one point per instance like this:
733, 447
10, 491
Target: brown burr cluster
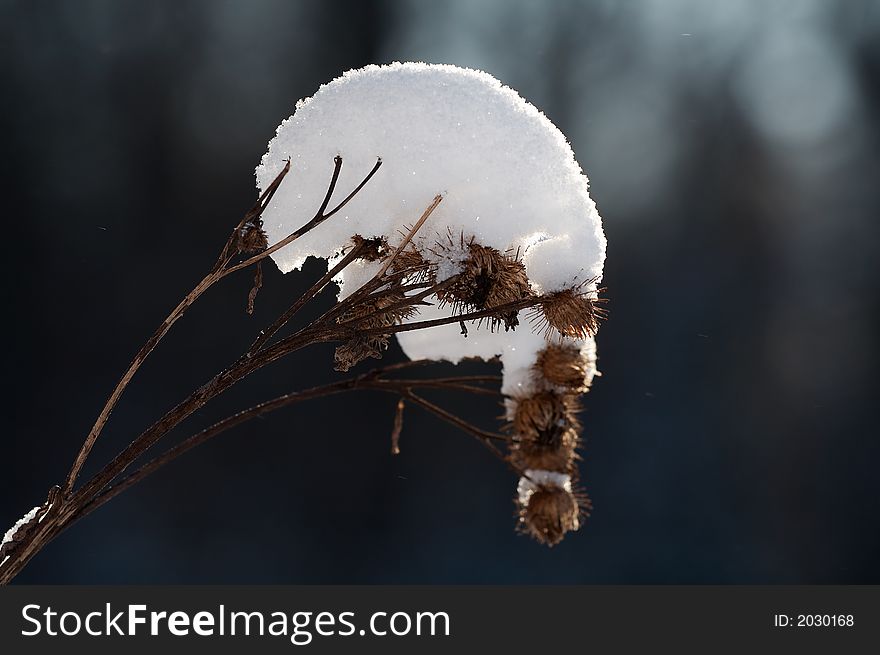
572, 313
542, 414
488, 278
546, 435
382, 312
250, 237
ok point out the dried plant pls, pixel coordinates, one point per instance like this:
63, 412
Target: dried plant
546, 435
488, 279
573, 313
567, 366
491, 286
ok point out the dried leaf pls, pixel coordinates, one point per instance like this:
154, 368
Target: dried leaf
258, 283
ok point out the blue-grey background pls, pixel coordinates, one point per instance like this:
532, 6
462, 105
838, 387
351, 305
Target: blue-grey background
734, 151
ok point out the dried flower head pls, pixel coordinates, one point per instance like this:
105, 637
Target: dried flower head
571, 312
556, 453
566, 365
251, 238
548, 508
369, 314
371, 250
488, 278
546, 416
411, 262
545, 432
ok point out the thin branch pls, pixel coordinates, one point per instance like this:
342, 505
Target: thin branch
485, 438
448, 384
397, 429
205, 435
337, 166
383, 279
471, 316
415, 228
252, 216
368, 289
70, 505
208, 391
400, 366
356, 190
408, 301
367, 381
312, 224
126, 378
67, 501
213, 276
313, 291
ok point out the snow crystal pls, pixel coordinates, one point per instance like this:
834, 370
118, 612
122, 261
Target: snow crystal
508, 178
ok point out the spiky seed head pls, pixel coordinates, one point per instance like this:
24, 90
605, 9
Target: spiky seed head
251, 238
544, 416
548, 508
488, 278
566, 365
571, 312
415, 267
550, 513
373, 314
556, 450
372, 249
545, 431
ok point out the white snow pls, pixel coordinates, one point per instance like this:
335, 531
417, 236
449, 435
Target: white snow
537, 477
588, 350
508, 178
10, 533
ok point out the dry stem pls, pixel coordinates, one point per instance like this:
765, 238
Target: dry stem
66, 505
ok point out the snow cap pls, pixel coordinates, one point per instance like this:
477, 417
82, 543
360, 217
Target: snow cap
508, 178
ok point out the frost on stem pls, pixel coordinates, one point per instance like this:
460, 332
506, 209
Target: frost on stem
516, 229
19, 531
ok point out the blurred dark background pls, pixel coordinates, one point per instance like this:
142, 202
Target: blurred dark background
734, 152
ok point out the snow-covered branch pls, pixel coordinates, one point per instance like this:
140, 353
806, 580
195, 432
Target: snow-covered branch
462, 208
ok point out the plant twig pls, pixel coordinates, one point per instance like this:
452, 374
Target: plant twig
207, 282
300, 302
457, 318
123, 383
315, 221
397, 429
367, 381
68, 504
220, 270
415, 228
485, 437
